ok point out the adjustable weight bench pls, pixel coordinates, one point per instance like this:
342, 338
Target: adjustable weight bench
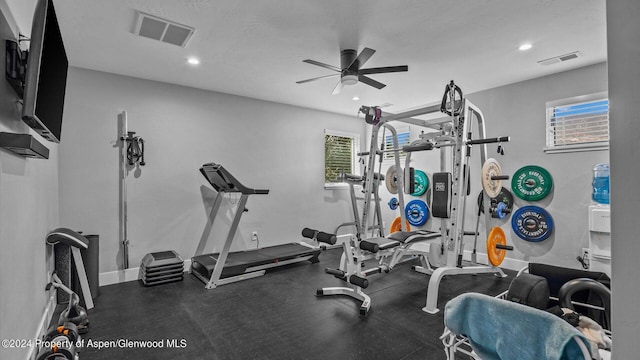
396, 239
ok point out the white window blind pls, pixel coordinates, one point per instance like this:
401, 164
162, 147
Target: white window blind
339, 155
404, 138
578, 126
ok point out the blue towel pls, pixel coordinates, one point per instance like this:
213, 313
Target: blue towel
503, 330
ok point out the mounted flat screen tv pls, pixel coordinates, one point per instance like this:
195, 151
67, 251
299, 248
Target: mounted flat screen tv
46, 74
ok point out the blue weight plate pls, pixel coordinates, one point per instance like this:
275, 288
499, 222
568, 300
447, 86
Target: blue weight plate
532, 223
501, 210
393, 203
417, 212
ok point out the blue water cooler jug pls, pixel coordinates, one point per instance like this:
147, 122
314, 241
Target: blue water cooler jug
601, 183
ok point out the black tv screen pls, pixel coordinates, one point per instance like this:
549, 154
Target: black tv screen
46, 74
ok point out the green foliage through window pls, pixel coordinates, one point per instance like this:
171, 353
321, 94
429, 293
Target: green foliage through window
338, 157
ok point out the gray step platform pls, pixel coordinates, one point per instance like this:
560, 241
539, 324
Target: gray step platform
161, 267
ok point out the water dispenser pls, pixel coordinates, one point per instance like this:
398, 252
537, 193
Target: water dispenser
601, 183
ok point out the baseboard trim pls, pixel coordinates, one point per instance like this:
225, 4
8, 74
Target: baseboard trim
131, 274
43, 325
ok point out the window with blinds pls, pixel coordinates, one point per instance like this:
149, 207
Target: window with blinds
579, 125
339, 155
404, 138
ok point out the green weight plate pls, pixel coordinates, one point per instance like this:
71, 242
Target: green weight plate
531, 183
422, 182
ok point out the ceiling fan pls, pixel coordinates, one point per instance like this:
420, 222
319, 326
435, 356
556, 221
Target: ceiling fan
350, 69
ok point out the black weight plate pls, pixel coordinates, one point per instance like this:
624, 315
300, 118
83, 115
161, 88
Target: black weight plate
504, 196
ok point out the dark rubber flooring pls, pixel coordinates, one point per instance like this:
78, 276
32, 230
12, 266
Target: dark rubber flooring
276, 316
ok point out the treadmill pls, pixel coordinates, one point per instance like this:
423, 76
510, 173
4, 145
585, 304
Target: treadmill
228, 267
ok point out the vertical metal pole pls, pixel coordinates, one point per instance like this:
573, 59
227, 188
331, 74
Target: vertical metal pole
379, 226
466, 135
457, 212
368, 188
444, 223
354, 208
400, 177
122, 117
483, 157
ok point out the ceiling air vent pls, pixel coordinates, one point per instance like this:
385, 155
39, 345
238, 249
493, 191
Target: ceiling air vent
163, 30
561, 58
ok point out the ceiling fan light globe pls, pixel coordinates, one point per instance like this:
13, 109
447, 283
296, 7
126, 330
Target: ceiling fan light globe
349, 80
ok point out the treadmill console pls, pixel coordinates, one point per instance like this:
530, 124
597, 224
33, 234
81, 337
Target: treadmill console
223, 181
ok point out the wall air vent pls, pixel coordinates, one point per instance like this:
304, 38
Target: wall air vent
561, 58
156, 28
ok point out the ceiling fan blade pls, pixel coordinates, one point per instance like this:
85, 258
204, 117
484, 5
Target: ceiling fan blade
386, 69
326, 66
337, 89
371, 82
317, 78
362, 58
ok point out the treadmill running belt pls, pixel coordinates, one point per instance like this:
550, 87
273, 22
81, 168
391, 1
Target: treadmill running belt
238, 262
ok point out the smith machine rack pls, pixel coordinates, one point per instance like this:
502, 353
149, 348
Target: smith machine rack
450, 190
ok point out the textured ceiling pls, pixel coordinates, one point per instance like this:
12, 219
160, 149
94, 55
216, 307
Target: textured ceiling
255, 48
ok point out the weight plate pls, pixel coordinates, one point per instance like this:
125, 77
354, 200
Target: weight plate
531, 183
491, 168
495, 255
391, 179
501, 211
395, 225
416, 212
422, 183
393, 203
504, 196
532, 223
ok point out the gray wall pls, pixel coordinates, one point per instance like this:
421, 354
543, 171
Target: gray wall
28, 211
265, 145
623, 32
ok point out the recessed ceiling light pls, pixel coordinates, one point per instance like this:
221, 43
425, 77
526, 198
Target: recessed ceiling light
355, 98
193, 61
525, 47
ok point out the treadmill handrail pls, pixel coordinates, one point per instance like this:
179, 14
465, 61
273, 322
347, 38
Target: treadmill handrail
222, 180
